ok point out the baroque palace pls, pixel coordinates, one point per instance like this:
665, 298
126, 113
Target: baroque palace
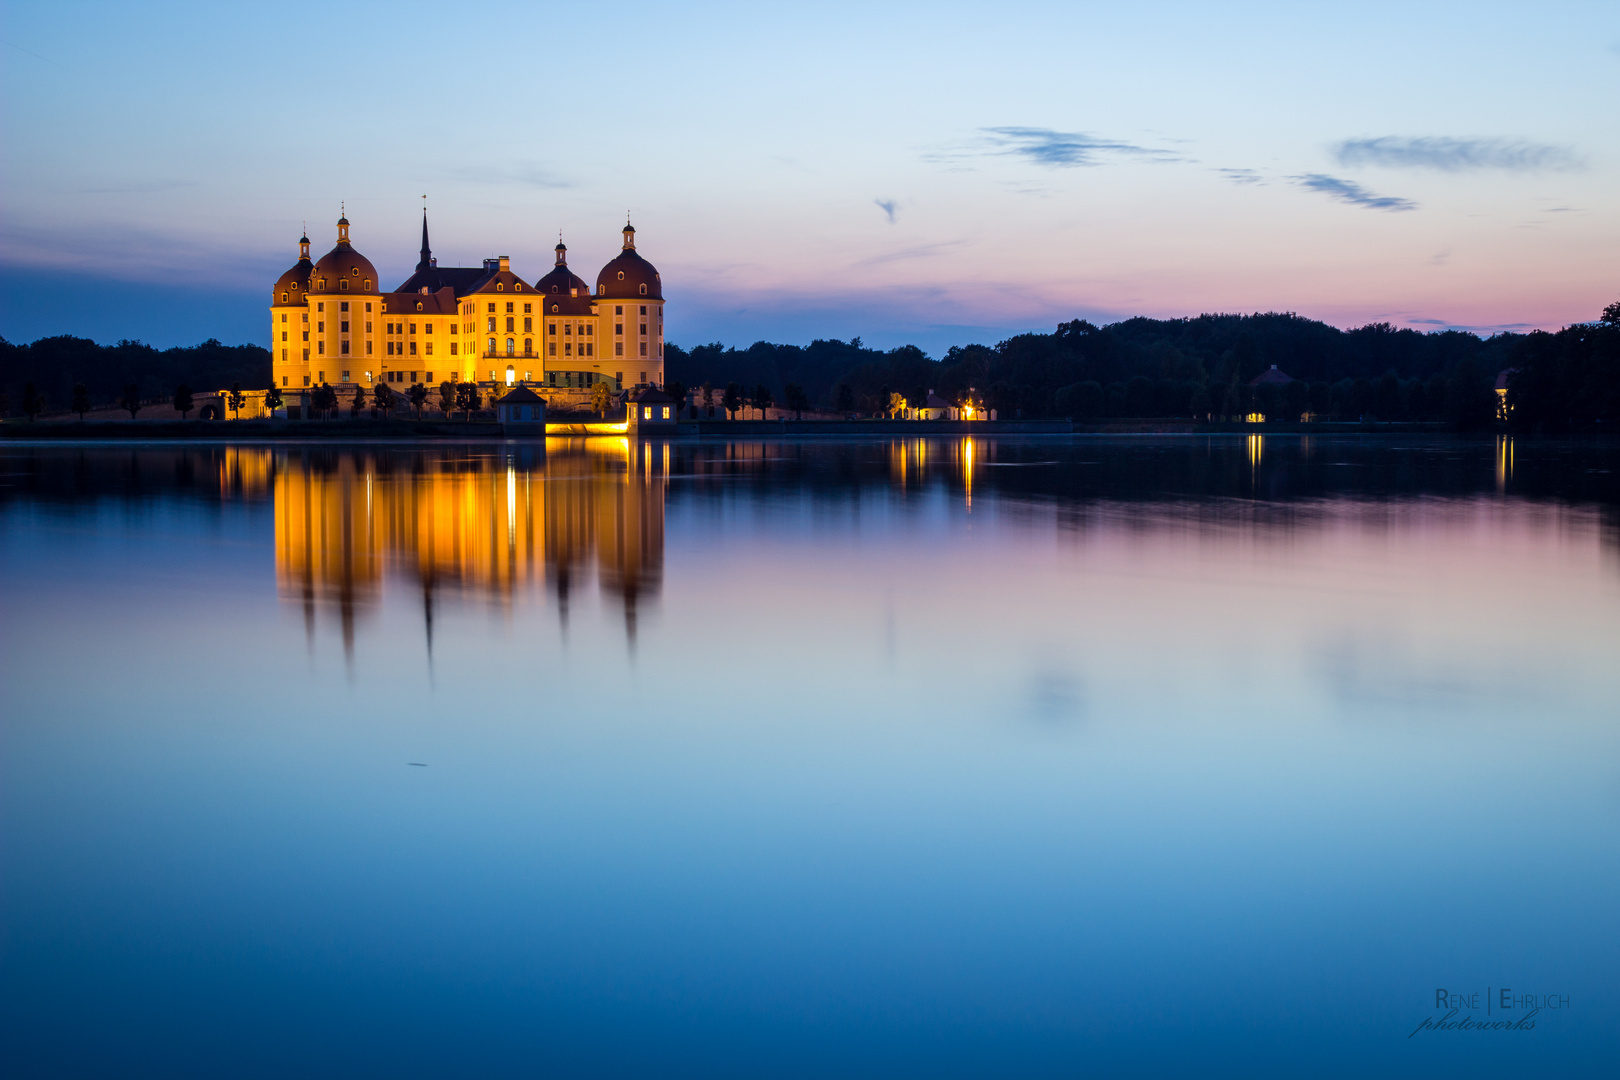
332, 323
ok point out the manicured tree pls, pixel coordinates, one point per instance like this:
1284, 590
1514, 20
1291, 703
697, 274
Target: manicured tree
418, 395
846, 399
382, 398
447, 398
794, 397
33, 401
326, 399
708, 400
601, 397
272, 400
357, 403
236, 399
183, 402
468, 398
731, 400
81, 400
762, 399
884, 396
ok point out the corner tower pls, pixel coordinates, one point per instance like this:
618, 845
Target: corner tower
289, 321
630, 302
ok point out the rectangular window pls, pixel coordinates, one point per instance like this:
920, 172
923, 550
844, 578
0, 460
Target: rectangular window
643, 329
551, 328
345, 376
492, 321
618, 348
413, 348
428, 329
368, 323
343, 306
619, 377
304, 315
509, 307
589, 350
666, 412
320, 347
368, 348
343, 347
427, 376
343, 327
618, 309
511, 325
643, 376
643, 348
528, 324
526, 309
590, 331
429, 350
283, 356
320, 327
284, 318
568, 348
413, 328
618, 328
492, 309
452, 348
644, 309
390, 348
368, 308
306, 356
320, 306
284, 380
284, 335
551, 350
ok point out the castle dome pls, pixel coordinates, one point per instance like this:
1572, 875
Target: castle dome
562, 281
629, 276
343, 269
291, 286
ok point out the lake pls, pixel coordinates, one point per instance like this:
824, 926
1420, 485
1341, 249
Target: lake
1072, 756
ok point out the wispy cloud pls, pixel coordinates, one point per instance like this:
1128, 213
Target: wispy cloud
1049, 148
1241, 176
1348, 191
889, 207
1456, 155
922, 251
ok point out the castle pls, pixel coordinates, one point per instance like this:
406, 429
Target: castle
333, 324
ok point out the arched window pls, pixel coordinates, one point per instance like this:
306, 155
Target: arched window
492, 346
343, 285
554, 309
368, 284
511, 347
321, 284
643, 288
517, 287
500, 286
419, 305
511, 376
283, 298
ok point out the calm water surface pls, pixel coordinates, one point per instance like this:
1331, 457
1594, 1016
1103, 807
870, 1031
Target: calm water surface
924, 757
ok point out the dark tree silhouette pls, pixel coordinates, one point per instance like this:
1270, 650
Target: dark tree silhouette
382, 399
325, 398
418, 395
81, 400
468, 398
846, 399
183, 401
731, 400
33, 401
447, 398
272, 400
236, 399
794, 397
762, 399
357, 403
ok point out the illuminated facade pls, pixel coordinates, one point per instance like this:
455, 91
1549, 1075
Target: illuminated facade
332, 323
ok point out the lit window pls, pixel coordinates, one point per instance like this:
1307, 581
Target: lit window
511, 347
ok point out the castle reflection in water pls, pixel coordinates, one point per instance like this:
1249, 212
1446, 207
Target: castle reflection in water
496, 522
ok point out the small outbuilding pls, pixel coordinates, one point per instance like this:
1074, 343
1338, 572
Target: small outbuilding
521, 411
647, 408
1274, 376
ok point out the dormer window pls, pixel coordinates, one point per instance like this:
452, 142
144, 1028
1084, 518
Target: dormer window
643, 288
321, 283
418, 305
368, 284
354, 271
295, 284
554, 309
517, 286
500, 286
343, 285
621, 275
554, 288
283, 298
601, 290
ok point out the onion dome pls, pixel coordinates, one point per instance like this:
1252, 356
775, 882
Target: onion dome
629, 277
291, 286
562, 281
343, 269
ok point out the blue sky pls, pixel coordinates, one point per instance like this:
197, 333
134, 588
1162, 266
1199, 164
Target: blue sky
935, 173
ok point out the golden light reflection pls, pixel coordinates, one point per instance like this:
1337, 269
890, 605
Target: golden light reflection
490, 522
967, 470
1504, 462
1257, 447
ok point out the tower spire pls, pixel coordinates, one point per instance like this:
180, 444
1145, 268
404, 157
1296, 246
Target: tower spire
427, 252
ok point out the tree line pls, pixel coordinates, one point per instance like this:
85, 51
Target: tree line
1196, 367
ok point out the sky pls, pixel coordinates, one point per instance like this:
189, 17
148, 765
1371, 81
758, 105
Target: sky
927, 173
